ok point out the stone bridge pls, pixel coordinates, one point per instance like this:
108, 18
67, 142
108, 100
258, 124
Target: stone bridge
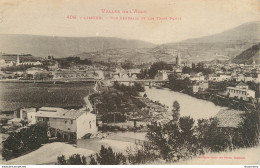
147, 82
125, 73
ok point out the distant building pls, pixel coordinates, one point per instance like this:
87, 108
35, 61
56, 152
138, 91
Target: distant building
200, 86
197, 77
53, 65
67, 124
50, 57
240, 91
16, 60
219, 78
73, 74
161, 75
35, 63
35, 70
178, 59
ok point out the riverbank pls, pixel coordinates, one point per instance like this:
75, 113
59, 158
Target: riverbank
220, 98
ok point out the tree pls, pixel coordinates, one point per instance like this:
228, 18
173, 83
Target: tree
175, 111
250, 128
61, 160
143, 74
209, 137
145, 95
128, 65
142, 154
75, 159
24, 122
158, 66
92, 160
186, 125
26, 140
158, 138
106, 156
138, 87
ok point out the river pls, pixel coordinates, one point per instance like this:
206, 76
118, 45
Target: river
190, 106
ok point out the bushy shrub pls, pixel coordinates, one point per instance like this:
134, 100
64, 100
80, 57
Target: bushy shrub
24, 141
75, 159
106, 156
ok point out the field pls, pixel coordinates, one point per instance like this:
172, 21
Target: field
18, 95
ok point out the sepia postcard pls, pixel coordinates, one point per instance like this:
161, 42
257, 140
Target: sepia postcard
129, 82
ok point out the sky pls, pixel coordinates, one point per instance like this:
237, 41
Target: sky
195, 18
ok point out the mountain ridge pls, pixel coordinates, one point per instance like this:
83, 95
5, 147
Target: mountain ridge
60, 46
225, 45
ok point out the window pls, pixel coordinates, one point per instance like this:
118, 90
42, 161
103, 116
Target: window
65, 122
71, 121
89, 124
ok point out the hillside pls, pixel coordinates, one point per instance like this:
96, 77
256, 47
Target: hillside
247, 56
221, 46
134, 55
245, 32
63, 46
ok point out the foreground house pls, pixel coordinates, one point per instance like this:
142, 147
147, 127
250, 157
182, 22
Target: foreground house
64, 123
67, 124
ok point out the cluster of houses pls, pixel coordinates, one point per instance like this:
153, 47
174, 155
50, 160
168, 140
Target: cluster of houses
238, 73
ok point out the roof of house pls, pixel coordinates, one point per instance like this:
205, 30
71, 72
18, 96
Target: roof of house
59, 113
29, 110
17, 120
35, 69
242, 84
237, 88
229, 118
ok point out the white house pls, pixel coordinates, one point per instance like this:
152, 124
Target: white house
31, 63
221, 77
28, 114
68, 122
197, 77
33, 70
240, 91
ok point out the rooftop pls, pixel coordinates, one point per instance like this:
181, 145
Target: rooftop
242, 84
229, 118
236, 88
59, 113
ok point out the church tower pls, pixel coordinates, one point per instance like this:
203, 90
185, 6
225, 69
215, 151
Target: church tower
17, 60
178, 59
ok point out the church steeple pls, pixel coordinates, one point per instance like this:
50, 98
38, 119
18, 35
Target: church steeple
17, 60
253, 63
178, 59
